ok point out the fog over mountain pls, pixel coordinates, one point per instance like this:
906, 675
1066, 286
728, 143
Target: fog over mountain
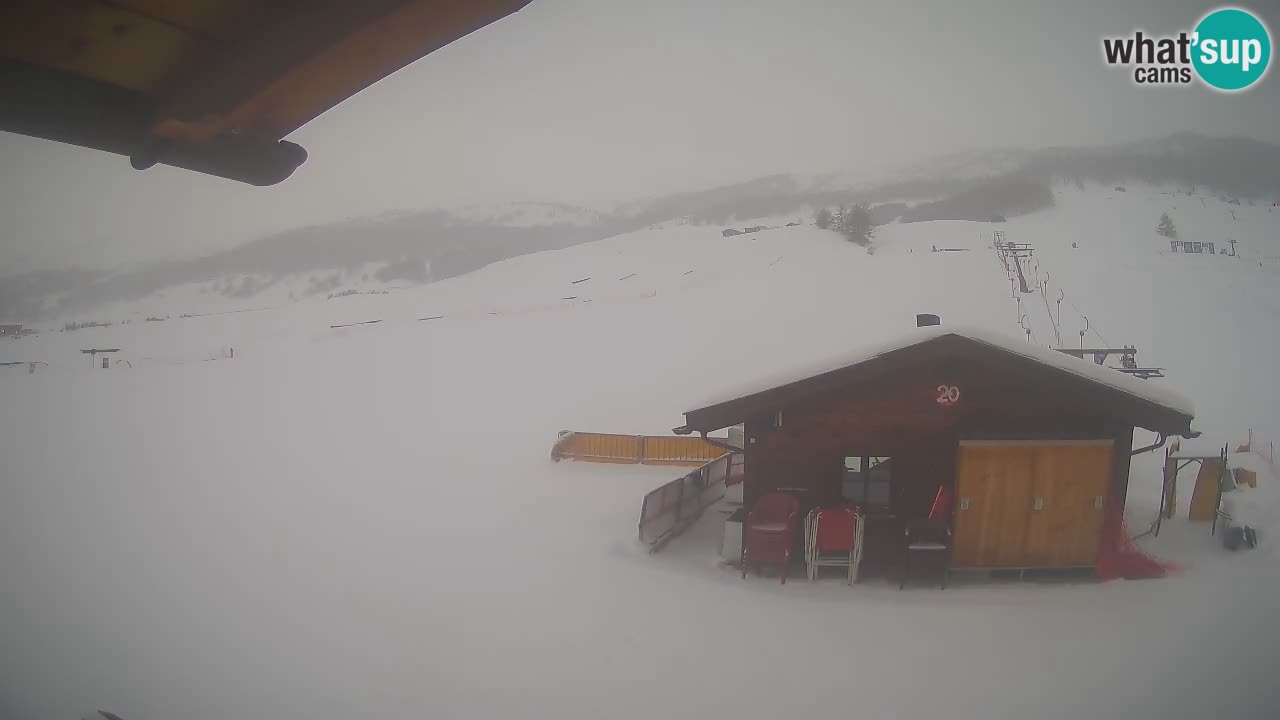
416, 247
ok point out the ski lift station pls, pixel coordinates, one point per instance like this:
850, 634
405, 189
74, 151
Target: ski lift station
948, 450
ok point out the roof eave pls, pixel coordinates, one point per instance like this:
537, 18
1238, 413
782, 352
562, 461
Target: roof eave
1145, 413
226, 110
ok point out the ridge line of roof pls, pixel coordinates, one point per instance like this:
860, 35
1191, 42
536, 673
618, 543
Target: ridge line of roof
1167, 399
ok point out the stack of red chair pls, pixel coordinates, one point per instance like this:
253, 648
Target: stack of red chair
833, 537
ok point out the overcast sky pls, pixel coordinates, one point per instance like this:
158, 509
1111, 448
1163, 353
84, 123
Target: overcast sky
599, 101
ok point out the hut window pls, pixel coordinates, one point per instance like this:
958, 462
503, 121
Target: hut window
868, 482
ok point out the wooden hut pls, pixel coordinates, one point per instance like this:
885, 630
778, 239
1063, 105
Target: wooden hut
1032, 445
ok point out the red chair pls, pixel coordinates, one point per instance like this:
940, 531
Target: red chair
941, 508
770, 532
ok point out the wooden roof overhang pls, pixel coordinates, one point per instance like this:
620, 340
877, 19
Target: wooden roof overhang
212, 86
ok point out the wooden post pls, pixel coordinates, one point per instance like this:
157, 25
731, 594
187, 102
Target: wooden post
1217, 500
1164, 490
1170, 507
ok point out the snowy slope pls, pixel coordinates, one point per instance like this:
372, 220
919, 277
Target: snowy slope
363, 521
237, 292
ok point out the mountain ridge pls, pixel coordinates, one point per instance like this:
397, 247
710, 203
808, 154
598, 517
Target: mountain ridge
431, 245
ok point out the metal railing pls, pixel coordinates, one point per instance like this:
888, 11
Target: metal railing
672, 508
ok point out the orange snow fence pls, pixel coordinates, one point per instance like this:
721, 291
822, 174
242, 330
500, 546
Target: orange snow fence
1120, 557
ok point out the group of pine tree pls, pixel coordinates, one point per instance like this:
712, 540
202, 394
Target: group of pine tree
855, 223
852, 222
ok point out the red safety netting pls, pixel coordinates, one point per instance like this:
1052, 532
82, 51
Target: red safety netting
1120, 557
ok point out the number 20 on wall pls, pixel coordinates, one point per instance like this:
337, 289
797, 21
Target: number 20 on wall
948, 395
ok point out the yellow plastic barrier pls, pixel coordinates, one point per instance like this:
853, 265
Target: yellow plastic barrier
634, 449
1205, 496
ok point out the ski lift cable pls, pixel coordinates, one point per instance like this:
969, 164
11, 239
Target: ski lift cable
1042, 285
1031, 335
1062, 296
1057, 333
1092, 327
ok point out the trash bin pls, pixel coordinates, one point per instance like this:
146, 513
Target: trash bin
731, 544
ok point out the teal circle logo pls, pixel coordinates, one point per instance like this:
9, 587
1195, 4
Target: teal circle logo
1232, 49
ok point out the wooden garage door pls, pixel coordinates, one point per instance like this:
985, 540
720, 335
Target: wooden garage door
993, 484
1030, 504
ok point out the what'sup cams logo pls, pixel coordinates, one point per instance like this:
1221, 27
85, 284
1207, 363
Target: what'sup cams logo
1229, 49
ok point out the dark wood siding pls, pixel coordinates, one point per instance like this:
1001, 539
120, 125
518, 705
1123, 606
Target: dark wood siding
1120, 475
901, 418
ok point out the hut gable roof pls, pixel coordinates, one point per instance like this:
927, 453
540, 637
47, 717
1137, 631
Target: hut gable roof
1147, 404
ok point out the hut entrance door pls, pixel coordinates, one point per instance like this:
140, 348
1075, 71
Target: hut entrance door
1030, 504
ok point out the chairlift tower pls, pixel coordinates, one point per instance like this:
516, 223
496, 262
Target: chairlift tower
1017, 251
1128, 355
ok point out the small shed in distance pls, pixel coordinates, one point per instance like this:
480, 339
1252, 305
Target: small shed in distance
1033, 445
94, 352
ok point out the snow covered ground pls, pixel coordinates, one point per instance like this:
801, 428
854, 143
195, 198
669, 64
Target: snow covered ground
364, 521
